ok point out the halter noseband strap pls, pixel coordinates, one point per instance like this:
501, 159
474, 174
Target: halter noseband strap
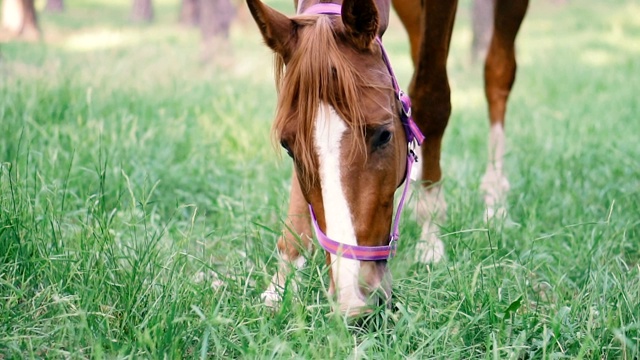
414, 136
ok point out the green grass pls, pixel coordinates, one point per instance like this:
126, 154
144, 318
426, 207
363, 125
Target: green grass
128, 169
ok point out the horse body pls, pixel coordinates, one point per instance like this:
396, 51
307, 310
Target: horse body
338, 116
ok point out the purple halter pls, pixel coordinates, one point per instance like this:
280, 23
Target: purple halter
414, 136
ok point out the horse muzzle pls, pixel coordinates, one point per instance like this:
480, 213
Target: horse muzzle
375, 283
373, 290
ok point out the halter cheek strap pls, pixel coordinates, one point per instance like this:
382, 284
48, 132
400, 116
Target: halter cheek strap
414, 136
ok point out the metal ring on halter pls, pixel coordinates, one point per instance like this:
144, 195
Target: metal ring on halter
393, 247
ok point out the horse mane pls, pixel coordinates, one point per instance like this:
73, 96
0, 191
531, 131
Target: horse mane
317, 72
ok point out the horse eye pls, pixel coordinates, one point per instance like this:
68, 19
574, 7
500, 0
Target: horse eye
381, 138
285, 145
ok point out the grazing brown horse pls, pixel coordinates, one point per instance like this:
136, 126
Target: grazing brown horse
348, 129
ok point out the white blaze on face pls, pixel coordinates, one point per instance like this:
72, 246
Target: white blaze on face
329, 129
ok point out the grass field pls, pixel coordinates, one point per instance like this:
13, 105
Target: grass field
140, 199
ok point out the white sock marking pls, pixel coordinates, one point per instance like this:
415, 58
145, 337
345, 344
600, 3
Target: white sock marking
273, 295
431, 211
494, 183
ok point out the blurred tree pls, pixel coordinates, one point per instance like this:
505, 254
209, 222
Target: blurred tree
482, 27
215, 18
54, 6
142, 11
19, 17
215, 21
190, 12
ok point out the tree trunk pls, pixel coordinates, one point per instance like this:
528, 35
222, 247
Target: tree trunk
54, 6
19, 17
482, 25
190, 12
142, 11
215, 18
215, 21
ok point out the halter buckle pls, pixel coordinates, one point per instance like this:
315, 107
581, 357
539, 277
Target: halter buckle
405, 101
412, 153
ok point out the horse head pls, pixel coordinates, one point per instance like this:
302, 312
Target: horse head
339, 117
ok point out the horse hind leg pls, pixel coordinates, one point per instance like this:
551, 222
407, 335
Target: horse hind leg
499, 75
295, 239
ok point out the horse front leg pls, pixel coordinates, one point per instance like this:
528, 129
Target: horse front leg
431, 97
499, 75
296, 238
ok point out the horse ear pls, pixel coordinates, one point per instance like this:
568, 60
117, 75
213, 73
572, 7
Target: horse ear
360, 18
276, 28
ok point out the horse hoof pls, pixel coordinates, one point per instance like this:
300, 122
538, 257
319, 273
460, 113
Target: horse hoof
495, 212
271, 299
